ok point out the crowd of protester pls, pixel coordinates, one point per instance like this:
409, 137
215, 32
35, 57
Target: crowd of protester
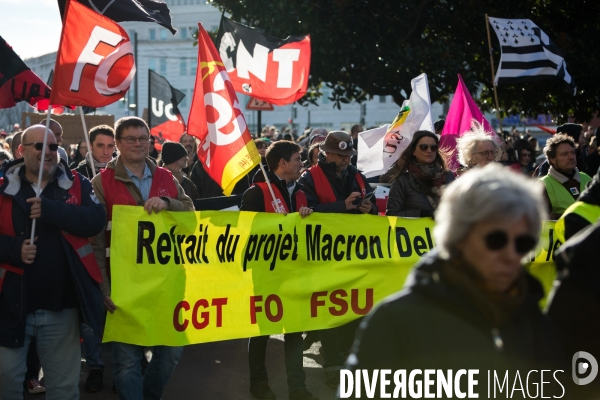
473, 287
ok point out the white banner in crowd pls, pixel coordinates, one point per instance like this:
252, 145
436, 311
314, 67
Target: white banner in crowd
378, 151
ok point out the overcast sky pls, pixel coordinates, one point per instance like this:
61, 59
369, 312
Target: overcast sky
31, 27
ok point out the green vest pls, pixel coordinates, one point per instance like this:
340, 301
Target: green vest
589, 212
560, 197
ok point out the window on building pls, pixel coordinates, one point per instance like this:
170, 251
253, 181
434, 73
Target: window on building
382, 99
131, 33
152, 64
193, 65
185, 2
163, 66
184, 32
152, 34
325, 97
163, 34
183, 66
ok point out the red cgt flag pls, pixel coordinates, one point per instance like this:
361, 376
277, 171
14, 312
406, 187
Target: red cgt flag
95, 65
226, 148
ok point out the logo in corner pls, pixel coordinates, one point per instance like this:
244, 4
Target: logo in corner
584, 363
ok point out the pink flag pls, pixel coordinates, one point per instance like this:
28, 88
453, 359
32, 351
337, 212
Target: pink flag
458, 121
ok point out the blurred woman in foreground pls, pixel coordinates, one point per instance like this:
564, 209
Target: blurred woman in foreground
469, 304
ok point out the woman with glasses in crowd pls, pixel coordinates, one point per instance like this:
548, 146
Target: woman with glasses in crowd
469, 303
477, 148
416, 191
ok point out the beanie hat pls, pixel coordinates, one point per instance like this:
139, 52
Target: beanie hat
573, 130
172, 151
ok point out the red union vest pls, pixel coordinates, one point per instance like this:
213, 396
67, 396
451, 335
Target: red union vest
323, 187
82, 246
269, 204
116, 192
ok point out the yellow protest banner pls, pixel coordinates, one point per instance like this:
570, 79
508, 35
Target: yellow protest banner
194, 277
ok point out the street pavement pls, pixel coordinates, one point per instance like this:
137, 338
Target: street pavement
219, 371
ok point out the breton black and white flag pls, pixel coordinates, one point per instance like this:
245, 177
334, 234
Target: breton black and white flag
129, 10
528, 54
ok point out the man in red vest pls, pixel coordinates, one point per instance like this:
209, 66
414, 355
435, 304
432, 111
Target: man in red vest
335, 186
285, 163
49, 286
133, 179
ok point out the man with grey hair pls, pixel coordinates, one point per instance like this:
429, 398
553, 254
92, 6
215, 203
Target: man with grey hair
45, 285
564, 182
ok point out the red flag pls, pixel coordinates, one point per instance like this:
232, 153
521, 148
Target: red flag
226, 148
94, 66
17, 81
263, 66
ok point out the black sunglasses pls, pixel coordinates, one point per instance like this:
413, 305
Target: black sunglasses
424, 147
39, 146
497, 240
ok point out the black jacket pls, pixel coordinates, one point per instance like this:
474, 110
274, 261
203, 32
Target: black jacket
85, 221
207, 187
405, 201
574, 303
431, 324
253, 199
342, 187
574, 222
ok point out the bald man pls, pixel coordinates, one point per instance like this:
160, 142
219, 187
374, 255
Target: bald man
57, 129
46, 284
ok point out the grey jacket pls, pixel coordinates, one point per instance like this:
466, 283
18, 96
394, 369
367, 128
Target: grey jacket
405, 201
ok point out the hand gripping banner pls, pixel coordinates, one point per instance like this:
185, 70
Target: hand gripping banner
193, 277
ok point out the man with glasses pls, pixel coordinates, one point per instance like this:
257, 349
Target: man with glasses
46, 285
133, 179
57, 129
335, 186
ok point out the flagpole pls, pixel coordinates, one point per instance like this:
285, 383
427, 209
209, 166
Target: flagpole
487, 25
277, 209
87, 141
38, 189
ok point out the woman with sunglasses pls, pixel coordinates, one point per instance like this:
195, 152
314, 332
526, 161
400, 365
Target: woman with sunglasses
469, 304
477, 148
416, 190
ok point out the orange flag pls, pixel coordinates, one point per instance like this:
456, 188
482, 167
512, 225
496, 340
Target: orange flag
226, 148
94, 66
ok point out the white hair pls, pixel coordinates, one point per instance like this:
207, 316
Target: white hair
467, 143
487, 193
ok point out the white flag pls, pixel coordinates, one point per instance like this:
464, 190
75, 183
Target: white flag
377, 151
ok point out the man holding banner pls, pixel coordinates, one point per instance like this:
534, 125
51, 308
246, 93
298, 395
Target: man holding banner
285, 164
335, 186
132, 179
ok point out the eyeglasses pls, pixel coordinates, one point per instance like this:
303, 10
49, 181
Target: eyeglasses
133, 139
487, 153
424, 147
497, 240
39, 146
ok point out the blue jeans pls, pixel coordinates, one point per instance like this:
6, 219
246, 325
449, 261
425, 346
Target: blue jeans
57, 338
92, 346
131, 384
257, 350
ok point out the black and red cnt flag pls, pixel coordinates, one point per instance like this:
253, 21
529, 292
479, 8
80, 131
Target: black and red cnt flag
129, 10
164, 118
18, 82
